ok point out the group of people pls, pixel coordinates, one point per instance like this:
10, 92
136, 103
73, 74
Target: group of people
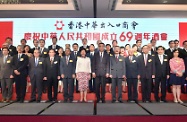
90, 68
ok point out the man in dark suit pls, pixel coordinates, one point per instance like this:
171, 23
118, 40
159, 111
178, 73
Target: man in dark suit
91, 55
114, 44
85, 46
67, 71
74, 54
98, 42
43, 50
54, 46
147, 73
36, 46
132, 74
99, 67
12, 49
6, 75
117, 72
153, 44
169, 53
52, 74
20, 62
43, 54
161, 74
36, 74
139, 45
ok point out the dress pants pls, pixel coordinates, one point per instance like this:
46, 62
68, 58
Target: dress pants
52, 83
161, 80
146, 85
100, 81
36, 83
92, 85
68, 88
117, 82
21, 82
132, 92
6, 86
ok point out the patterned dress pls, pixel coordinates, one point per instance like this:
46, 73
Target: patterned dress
83, 79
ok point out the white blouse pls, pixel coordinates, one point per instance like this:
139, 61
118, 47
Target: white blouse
83, 65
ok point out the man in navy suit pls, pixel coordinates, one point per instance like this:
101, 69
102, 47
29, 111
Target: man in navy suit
54, 46
114, 44
67, 71
147, 73
99, 67
74, 54
161, 74
133, 75
85, 46
90, 54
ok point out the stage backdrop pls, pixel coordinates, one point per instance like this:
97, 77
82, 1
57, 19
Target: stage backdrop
71, 30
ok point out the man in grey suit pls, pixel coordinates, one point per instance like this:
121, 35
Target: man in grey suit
6, 75
147, 73
67, 71
132, 74
117, 72
36, 74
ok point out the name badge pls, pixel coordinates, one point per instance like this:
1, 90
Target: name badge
56, 50
45, 52
165, 59
133, 61
153, 55
8, 61
10, 50
40, 62
150, 60
21, 59
87, 49
111, 55
70, 60
120, 60
55, 62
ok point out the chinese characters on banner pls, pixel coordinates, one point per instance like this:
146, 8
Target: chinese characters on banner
125, 35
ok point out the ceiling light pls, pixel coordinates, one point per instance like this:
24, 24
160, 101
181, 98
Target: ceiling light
165, 1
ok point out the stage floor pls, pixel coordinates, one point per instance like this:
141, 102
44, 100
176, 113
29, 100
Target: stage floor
82, 109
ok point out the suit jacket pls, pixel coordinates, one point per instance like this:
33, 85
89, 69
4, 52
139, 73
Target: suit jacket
182, 53
6, 68
161, 70
132, 67
98, 67
52, 70
44, 53
73, 55
32, 50
117, 67
148, 70
185, 63
169, 54
12, 50
112, 51
56, 49
87, 48
67, 69
36, 70
20, 64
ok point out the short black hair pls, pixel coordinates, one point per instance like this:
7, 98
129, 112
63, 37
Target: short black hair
42, 40
102, 43
152, 40
54, 37
122, 47
75, 44
184, 42
52, 50
127, 45
92, 45
68, 49
176, 40
138, 41
6, 48
108, 45
175, 50
24, 40
134, 45
160, 47
170, 41
8, 38
83, 49
114, 41
35, 40
144, 46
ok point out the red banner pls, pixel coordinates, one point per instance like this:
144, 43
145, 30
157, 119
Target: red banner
182, 32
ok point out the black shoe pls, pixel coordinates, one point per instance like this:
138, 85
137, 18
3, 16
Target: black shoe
97, 101
48, 101
30, 101
70, 100
38, 101
169, 91
65, 101
77, 91
165, 101
21, 101
55, 100
143, 101
17, 100
136, 101
120, 101
148, 101
113, 101
103, 101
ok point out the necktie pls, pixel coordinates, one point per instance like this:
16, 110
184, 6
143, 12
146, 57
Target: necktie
91, 54
130, 58
41, 50
145, 59
116, 58
36, 62
75, 54
19, 56
67, 60
4, 60
101, 57
161, 59
51, 60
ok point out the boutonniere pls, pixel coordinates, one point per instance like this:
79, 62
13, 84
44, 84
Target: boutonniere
120, 60
45, 52
70, 60
55, 62
111, 55
8, 61
56, 49
133, 61
149, 60
10, 50
21, 59
165, 59
40, 62
87, 49
153, 55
